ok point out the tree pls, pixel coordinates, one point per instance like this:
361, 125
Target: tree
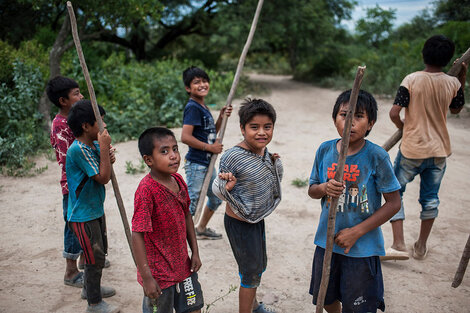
453, 10
375, 28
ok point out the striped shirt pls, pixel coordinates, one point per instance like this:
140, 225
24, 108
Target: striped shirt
258, 189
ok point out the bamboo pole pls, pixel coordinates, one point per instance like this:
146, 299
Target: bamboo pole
330, 233
98, 118
453, 71
220, 137
462, 265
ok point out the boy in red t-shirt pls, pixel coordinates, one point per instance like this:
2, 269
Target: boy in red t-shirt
161, 225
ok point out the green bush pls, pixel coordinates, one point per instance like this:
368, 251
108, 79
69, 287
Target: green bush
21, 134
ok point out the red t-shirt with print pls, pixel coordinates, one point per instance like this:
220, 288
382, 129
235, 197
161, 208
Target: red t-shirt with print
61, 139
159, 213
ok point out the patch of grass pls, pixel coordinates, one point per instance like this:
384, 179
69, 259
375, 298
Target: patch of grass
298, 182
135, 169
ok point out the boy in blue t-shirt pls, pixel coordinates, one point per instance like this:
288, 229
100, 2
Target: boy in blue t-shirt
356, 276
200, 133
88, 168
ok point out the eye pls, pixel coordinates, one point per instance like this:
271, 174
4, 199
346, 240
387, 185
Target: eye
164, 151
175, 149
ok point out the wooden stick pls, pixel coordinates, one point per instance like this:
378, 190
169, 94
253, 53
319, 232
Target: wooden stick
220, 138
91, 90
330, 233
453, 71
462, 265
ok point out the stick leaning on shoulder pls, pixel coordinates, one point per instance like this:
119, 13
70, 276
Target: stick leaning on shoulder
91, 90
220, 137
453, 71
330, 233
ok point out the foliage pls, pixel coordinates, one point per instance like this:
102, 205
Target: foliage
376, 26
299, 182
208, 307
133, 169
21, 135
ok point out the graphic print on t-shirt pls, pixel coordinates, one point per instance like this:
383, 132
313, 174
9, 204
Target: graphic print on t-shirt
354, 197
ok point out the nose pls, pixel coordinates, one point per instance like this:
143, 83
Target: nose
80, 96
104, 124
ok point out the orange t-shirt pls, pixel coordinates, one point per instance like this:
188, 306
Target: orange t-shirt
425, 132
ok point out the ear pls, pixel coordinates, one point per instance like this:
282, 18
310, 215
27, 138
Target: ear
85, 127
62, 101
188, 90
148, 160
242, 129
371, 124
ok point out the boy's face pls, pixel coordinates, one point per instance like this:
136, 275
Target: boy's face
258, 132
74, 96
360, 124
198, 88
92, 130
165, 158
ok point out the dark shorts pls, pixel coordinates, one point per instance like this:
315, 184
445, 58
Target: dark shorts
184, 297
356, 282
248, 242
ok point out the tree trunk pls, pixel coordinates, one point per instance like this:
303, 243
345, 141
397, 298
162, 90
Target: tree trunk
55, 56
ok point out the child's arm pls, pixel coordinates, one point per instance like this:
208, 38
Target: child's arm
192, 241
332, 188
395, 116
188, 138
462, 78
227, 110
104, 175
151, 287
346, 238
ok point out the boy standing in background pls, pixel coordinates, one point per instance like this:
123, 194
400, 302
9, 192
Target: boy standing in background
199, 133
64, 92
427, 96
88, 169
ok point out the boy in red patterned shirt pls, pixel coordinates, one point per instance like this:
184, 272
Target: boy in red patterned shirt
161, 225
64, 92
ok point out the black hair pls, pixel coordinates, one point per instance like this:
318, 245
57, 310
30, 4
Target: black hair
59, 87
438, 50
80, 113
252, 107
146, 139
192, 72
365, 103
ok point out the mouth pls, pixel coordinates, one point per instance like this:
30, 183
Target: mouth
176, 164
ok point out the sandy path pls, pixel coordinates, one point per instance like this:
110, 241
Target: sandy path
31, 265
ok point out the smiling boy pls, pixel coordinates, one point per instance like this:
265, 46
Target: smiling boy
199, 133
250, 182
161, 226
356, 283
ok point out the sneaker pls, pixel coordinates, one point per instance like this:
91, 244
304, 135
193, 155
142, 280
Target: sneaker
106, 292
102, 307
262, 308
106, 265
208, 234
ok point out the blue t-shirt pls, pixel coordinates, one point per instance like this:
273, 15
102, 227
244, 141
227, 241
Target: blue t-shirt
367, 174
204, 130
86, 196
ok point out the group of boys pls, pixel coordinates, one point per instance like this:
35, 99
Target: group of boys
249, 181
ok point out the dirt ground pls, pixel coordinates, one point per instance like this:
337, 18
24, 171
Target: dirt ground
31, 227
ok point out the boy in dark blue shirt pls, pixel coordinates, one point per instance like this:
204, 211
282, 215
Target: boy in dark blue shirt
200, 134
356, 281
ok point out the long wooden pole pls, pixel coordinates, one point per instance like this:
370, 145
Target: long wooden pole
330, 233
220, 137
453, 71
91, 90
462, 265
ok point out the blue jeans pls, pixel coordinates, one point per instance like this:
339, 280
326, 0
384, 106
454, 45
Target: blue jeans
195, 174
431, 172
72, 248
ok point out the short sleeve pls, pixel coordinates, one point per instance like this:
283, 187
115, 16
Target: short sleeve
192, 116
385, 177
458, 101
403, 97
86, 160
228, 164
143, 206
315, 174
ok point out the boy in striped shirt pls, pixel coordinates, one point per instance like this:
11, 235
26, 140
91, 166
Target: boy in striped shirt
250, 182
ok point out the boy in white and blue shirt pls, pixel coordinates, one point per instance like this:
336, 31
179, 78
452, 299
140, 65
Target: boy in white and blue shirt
356, 283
